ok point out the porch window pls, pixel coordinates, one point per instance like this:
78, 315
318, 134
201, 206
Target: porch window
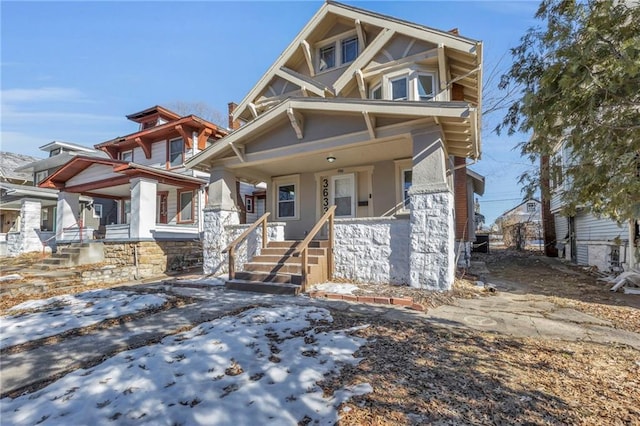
176, 153
185, 213
126, 155
407, 179
286, 201
97, 211
126, 210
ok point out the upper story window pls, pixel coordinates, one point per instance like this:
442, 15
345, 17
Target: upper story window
408, 85
399, 89
337, 51
54, 152
126, 155
531, 207
176, 153
40, 176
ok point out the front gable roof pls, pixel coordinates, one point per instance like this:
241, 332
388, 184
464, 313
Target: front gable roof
115, 172
462, 54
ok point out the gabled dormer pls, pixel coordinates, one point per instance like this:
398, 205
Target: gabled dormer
154, 116
347, 52
164, 139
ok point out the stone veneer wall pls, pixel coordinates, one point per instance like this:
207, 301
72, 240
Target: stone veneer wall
27, 238
373, 250
463, 254
432, 258
221, 227
154, 257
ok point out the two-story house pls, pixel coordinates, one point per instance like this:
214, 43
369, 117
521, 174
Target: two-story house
521, 226
370, 114
158, 203
584, 238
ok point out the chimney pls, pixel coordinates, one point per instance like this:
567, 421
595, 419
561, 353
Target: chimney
233, 124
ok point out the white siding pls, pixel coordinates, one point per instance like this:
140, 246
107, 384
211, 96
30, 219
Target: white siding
562, 226
582, 254
96, 172
590, 228
556, 201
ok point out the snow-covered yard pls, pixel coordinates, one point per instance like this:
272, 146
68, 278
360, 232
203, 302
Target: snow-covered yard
37, 319
258, 367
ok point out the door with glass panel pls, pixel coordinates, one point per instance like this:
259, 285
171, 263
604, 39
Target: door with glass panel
343, 195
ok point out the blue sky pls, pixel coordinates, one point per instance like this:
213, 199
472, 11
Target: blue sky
71, 71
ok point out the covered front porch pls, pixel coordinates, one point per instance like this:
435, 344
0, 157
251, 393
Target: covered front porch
386, 166
150, 204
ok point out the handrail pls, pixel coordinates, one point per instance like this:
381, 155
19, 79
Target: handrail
231, 248
79, 224
301, 249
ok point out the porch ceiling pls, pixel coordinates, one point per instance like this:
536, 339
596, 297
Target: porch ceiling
345, 157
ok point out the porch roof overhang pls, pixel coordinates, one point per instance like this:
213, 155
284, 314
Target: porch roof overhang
477, 181
12, 195
458, 122
114, 187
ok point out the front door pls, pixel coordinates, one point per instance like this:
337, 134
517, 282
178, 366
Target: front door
161, 207
343, 195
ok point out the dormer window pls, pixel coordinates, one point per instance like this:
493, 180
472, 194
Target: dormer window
126, 155
54, 152
405, 86
337, 51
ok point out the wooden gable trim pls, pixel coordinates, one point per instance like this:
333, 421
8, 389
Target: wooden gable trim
203, 136
306, 50
92, 186
186, 136
311, 86
145, 146
363, 58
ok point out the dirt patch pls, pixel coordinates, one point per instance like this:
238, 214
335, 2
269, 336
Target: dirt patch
423, 374
564, 284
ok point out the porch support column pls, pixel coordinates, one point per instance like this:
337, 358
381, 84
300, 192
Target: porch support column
432, 228
143, 208
67, 213
219, 212
30, 211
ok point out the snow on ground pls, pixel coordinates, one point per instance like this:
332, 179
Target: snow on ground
36, 319
258, 367
212, 281
336, 288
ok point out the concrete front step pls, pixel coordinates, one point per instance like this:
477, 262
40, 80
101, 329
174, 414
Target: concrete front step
269, 277
262, 287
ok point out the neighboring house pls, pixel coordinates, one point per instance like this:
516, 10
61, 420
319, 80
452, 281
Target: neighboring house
521, 226
11, 178
158, 202
584, 238
28, 212
369, 113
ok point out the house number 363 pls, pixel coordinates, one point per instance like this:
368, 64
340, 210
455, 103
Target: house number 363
325, 194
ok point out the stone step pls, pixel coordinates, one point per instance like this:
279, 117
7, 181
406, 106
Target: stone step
262, 287
294, 243
268, 277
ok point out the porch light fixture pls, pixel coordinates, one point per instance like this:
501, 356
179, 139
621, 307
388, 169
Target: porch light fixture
331, 158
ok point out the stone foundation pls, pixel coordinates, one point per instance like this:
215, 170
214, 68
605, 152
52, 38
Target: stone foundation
463, 254
373, 250
432, 258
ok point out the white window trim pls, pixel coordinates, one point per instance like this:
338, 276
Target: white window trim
336, 41
192, 214
401, 166
97, 211
43, 173
282, 181
411, 74
125, 152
